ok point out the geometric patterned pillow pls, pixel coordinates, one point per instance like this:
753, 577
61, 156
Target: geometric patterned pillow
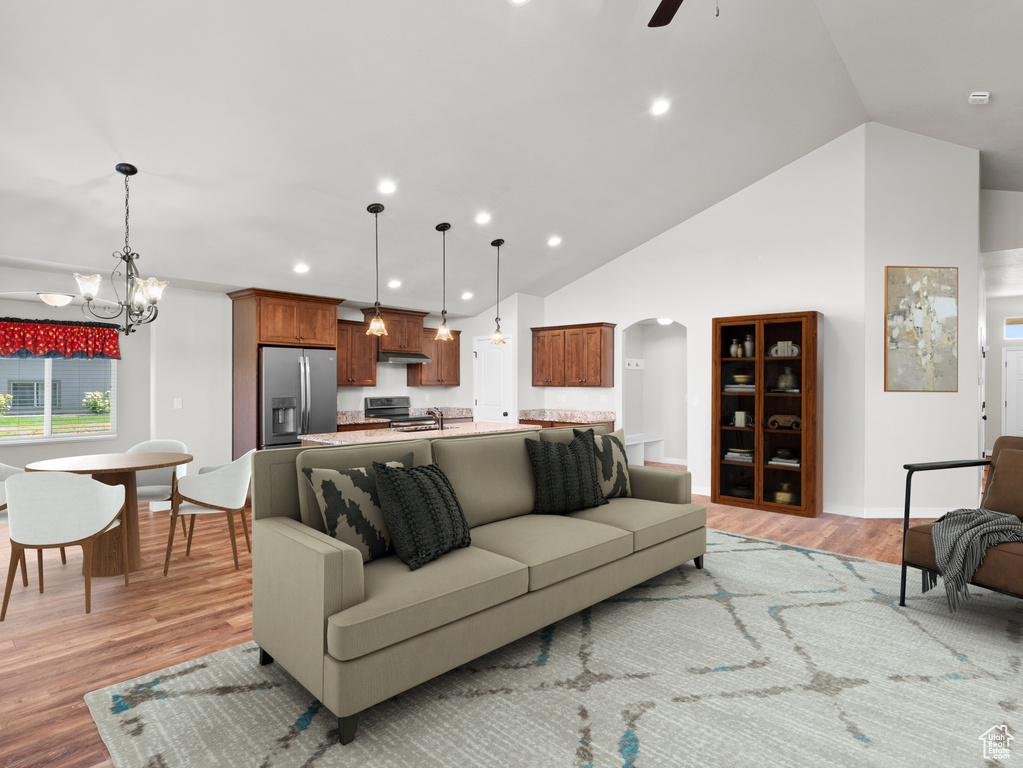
350, 506
612, 463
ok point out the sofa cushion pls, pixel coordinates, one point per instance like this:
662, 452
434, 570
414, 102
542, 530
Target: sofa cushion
1005, 491
421, 511
401, 603
490, 473
1002, 567
650, 522
565, 475
350, 506
612, 462
554, 547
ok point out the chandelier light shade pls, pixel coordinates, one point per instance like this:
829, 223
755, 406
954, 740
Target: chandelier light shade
138, 306
444, 333
376, 325
497, 337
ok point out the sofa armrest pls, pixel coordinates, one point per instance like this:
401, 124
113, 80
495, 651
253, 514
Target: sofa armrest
656, 484
300, 577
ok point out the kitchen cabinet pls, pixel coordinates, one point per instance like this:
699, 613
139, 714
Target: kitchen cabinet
767, 439
404, 329
356, 355
444, 368
574, 355
548, 358
270, 318
360, 427
580, 424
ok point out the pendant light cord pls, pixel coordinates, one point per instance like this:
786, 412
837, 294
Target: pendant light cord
376, 255
444, 275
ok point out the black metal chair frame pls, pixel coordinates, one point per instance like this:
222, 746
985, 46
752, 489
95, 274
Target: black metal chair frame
927, 466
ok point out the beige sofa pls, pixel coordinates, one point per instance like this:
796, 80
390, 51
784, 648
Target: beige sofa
355, 634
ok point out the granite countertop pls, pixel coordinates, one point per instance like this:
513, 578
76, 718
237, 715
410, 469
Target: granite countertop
564, 414
358, 417
385, 435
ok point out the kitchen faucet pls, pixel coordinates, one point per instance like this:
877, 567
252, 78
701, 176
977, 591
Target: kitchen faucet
437, 415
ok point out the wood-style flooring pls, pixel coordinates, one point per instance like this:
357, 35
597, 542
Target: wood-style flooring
52, 653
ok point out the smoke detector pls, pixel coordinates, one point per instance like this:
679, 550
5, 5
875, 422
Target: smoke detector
979, 97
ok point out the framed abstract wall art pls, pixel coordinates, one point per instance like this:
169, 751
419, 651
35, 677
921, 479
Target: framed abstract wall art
921, 351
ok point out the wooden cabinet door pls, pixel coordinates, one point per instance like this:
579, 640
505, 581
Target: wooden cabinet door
433, 349
575, 357
592, 358
356, 355
317, 323
451, 360
444, 366
278, 320
413, 333
394, 341
549, 359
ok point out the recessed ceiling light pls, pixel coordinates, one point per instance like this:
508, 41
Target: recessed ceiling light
660, 106
665, 320
386, 187
394, 284
553, 240
467, 295
301, 268
517, 2
482, 217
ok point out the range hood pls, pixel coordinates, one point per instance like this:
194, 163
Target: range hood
403, 358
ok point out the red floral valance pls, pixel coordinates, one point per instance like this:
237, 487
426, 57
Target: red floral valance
53, 338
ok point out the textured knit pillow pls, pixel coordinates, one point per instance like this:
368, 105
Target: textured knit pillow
566, 476
1005, 493
422, 513
350, 506
612, 463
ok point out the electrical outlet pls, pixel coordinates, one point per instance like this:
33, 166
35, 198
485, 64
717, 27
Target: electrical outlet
426, 397
177, 404
632, 364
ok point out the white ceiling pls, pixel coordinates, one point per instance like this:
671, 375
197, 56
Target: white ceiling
261, 129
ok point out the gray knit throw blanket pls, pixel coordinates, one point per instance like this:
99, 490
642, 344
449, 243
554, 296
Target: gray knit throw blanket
960, 540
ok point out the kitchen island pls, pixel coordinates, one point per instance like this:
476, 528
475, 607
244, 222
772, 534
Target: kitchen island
411, 433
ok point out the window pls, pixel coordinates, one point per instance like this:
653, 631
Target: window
1014, 327
42, 398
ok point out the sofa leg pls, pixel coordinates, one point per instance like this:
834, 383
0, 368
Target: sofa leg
698, 562
346, 728
265, 658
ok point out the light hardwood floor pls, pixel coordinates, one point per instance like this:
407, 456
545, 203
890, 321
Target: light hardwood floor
52, 653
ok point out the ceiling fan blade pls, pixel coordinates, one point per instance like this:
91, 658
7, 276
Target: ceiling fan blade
665, 13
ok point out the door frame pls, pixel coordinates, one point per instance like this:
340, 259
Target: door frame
1005, 385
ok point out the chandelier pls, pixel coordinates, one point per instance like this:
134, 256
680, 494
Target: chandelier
140, 296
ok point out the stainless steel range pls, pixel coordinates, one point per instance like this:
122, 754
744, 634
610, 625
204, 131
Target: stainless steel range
397, 411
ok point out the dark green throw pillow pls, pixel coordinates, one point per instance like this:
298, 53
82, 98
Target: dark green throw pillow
565, 474
612, 463
350, 506
422, 513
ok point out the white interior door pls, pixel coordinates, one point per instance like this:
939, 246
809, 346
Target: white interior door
1012, 391
493, 381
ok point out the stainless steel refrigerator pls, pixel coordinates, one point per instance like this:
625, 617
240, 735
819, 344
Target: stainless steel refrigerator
298, 394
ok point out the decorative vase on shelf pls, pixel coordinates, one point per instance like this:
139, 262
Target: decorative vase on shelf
733, 351
748, 344
787, 380
784, 494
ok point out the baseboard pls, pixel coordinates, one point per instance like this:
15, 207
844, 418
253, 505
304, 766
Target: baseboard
880, 513
670, 460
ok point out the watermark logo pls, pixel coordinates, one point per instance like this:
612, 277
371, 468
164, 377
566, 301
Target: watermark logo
997, 742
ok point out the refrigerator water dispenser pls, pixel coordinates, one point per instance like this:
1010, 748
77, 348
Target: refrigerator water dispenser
285, 415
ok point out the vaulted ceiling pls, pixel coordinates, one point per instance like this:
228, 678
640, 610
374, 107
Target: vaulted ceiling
261, 129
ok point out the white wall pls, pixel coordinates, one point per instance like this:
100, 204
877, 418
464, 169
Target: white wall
665, 388
1001, 220
997, 310
797, 240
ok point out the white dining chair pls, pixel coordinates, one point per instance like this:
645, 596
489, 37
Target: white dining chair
214, 490
158, 484
6, 470
47, 510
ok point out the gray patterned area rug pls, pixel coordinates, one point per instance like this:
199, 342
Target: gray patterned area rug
773, 655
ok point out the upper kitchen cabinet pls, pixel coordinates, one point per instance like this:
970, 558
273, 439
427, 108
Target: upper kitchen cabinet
444, 368
574, 355
287, 319
356, 355
404, 329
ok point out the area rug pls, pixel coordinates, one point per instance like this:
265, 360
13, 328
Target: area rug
772, 655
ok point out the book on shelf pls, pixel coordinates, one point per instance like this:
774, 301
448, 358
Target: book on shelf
784, 462
740, 387
730, 456
792, 390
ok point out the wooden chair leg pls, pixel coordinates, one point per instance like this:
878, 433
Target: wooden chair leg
191, 527
182, 519
234, 543
63, 557
24, 569
124, 546
17, 556
170, 539
245, 527
39, 559
87, 569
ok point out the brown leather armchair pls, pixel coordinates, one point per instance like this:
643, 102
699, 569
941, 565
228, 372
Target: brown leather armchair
1002, 569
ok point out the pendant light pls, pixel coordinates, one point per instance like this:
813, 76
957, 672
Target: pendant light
376, 325
444, 333
497, 338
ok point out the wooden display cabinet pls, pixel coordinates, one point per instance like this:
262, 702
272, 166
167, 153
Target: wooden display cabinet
778, 388
444, 368
356, 355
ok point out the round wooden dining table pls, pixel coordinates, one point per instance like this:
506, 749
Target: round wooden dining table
114, 469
